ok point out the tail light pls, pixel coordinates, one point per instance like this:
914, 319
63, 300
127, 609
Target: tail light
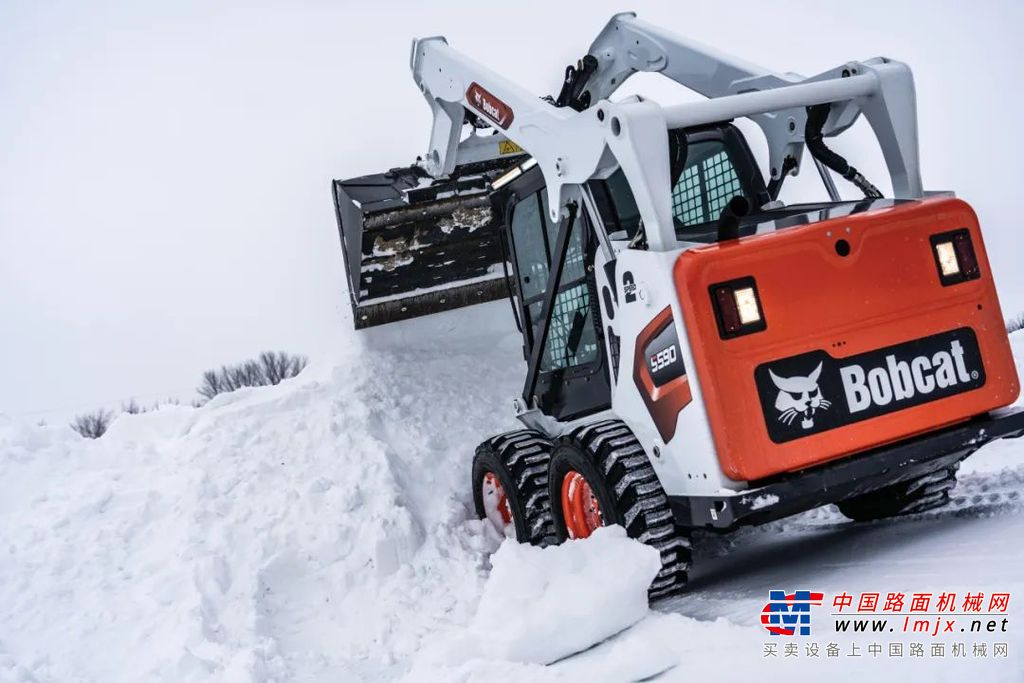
955, 257
737, 308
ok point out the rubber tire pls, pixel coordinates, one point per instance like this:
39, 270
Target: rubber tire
618, 471
906, 498
519, 459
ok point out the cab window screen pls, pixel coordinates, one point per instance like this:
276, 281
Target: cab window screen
535, 237
572, 301
707, 183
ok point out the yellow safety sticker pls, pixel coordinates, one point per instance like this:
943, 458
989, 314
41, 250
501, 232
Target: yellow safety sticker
509, 147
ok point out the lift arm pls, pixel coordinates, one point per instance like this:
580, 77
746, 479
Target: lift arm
628, 45
571, 147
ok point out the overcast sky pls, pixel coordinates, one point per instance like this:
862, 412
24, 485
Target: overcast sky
165, 167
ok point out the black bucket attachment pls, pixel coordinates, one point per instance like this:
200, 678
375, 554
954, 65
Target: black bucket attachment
415, 246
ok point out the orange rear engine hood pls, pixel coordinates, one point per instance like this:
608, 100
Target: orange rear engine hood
824, 308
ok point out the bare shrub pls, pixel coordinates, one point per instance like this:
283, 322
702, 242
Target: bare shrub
269, 368
132, 407
92, 425
1014, 324
280, 365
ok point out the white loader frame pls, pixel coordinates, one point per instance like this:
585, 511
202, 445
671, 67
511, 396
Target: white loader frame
583, 136
572, 147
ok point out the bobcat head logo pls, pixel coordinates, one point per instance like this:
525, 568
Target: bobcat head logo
799, 397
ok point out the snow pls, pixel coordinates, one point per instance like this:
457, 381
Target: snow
322, 530
300, 530
470, 218
764, 500
541, 605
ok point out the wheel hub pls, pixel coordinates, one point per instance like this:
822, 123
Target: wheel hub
496, 506
580, 508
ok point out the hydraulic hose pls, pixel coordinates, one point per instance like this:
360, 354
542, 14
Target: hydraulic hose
815, 141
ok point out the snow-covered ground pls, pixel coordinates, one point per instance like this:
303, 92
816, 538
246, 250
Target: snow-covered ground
322, 530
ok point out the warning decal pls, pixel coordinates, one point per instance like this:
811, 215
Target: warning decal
509, 147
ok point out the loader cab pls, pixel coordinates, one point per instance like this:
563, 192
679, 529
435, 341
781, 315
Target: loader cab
709, 166
572, 375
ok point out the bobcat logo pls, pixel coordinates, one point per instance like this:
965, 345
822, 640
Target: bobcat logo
799, 396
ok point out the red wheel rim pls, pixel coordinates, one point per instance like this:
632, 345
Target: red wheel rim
580, 508
496, 507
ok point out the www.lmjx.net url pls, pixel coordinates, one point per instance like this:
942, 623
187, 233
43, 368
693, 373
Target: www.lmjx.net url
934, 625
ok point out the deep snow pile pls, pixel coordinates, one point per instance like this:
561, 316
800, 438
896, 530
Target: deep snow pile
315, 529
322, 530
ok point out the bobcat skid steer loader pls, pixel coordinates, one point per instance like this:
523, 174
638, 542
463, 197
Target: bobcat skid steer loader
699, 354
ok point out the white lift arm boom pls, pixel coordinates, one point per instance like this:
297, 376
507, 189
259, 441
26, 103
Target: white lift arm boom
571, 147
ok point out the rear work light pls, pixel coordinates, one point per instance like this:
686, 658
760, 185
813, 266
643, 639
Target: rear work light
737, 307
954, 257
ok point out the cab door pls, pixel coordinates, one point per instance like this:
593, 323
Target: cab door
572, 378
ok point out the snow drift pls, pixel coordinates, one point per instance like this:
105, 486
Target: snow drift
316, 527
